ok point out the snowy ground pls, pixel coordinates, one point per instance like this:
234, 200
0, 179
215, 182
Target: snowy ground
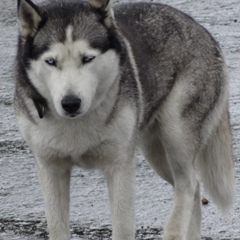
21, 203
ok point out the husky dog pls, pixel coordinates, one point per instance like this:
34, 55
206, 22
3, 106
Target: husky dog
94, 81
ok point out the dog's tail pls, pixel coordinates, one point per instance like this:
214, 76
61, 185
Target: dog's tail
217, 166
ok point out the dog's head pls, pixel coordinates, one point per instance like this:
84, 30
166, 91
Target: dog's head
70, 52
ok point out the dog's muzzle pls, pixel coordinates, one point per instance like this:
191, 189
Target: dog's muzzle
71, 105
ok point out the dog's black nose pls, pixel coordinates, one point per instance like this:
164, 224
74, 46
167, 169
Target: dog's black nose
71, 103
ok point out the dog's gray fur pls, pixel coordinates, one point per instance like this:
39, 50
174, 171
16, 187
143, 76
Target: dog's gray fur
145, 75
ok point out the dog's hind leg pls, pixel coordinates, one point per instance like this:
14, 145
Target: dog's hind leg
181, 160
179, 172
196, 135
181, 146
54, 177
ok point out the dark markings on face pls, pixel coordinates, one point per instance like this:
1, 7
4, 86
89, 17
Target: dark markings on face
25, 87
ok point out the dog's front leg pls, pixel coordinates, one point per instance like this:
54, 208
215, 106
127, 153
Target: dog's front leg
121, 185
54, 176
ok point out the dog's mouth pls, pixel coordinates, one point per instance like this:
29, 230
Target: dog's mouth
72, 115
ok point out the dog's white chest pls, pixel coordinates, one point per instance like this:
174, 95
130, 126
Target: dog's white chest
63, 139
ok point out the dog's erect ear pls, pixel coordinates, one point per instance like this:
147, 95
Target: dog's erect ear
105, 6
29, 17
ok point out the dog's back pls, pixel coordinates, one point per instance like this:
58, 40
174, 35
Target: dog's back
166, 44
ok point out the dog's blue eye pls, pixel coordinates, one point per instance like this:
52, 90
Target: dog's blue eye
51, 61
87, 59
